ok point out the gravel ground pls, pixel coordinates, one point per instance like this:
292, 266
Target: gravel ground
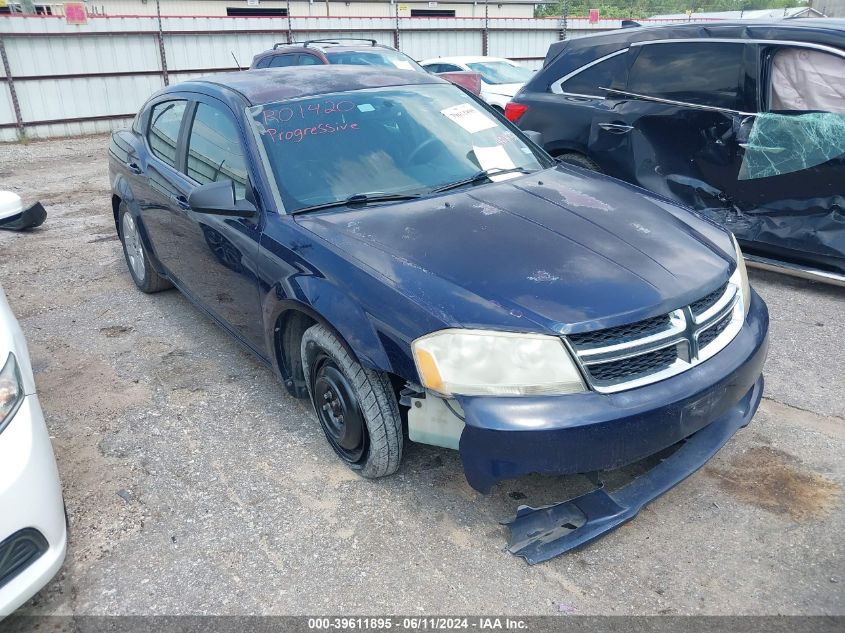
195, 485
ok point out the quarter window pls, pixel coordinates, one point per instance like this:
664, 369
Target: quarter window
701, 73
308, 60
214, 150
280, 61
590, 81
165, 121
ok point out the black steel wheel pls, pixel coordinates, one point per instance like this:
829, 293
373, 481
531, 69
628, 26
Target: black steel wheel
338, 410
356, 407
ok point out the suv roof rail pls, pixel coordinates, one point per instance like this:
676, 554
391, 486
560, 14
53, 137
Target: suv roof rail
338, 40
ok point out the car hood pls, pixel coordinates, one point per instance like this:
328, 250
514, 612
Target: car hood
507, 90
564, 248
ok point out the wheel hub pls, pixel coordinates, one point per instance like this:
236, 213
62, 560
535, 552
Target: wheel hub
132, 243
339, 412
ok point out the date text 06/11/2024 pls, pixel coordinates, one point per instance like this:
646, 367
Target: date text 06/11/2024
481, 623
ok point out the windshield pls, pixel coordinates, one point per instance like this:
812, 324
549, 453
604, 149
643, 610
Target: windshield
387, 140
375, 57
501, 72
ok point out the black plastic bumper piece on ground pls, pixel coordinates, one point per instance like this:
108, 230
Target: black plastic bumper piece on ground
27, 219
538, 534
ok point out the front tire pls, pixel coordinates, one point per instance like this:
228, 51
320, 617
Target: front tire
356, 407
137, 260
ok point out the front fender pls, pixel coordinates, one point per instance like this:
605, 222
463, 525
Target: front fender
323, 302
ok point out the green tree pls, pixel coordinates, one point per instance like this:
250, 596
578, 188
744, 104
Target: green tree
646, 8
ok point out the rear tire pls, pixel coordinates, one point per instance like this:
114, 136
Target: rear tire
356, 407
573, 158
137, 260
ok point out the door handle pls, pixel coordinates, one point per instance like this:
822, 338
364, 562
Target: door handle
181, 202
133, 167
616, 128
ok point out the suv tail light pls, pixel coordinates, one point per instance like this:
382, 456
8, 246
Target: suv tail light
514, 110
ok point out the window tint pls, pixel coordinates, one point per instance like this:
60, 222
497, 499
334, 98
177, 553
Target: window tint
165, 121
214, 149
263, 63
308, 60
590, 80
449, 68
280, 61
703, 73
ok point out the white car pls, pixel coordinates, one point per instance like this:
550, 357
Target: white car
501, 78
33, 530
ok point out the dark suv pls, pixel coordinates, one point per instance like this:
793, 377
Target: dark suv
742, 121
355, 52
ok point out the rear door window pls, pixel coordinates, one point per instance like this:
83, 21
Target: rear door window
214, 149
163, 133
804, 127
699, 73
590, 81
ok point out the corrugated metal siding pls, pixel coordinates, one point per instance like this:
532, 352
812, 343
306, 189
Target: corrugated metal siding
115, 64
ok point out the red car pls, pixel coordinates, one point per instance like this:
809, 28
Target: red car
355, 52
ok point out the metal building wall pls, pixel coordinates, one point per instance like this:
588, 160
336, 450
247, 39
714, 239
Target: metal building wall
72, 80
336, 8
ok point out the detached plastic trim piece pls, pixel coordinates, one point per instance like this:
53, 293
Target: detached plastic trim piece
27, 219
19, 551
538, 534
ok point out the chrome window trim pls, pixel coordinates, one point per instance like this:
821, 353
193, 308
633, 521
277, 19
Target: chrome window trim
733, 40
685, 104
556, 87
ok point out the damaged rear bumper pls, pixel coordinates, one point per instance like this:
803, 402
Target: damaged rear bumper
506, 438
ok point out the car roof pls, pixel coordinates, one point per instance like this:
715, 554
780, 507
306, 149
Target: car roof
278, 84
819, 30
464, 59
569, 55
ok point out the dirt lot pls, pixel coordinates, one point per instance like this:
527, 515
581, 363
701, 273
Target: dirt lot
194, 484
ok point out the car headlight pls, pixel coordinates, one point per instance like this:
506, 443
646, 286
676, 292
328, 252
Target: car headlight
11, 391
479, 362
740, 277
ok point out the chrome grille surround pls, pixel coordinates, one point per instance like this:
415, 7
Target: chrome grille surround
610, 364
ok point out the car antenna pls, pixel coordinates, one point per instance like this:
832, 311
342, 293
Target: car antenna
236, 61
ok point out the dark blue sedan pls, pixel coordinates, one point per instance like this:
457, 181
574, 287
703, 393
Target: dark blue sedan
406, 258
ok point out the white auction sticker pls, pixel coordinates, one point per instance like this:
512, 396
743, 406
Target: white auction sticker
403, 64
494, 158
469, 118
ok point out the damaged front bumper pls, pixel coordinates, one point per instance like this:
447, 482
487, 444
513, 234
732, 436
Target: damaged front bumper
506, 438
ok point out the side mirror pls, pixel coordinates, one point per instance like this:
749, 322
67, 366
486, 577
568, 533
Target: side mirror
534, 136
218, 198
